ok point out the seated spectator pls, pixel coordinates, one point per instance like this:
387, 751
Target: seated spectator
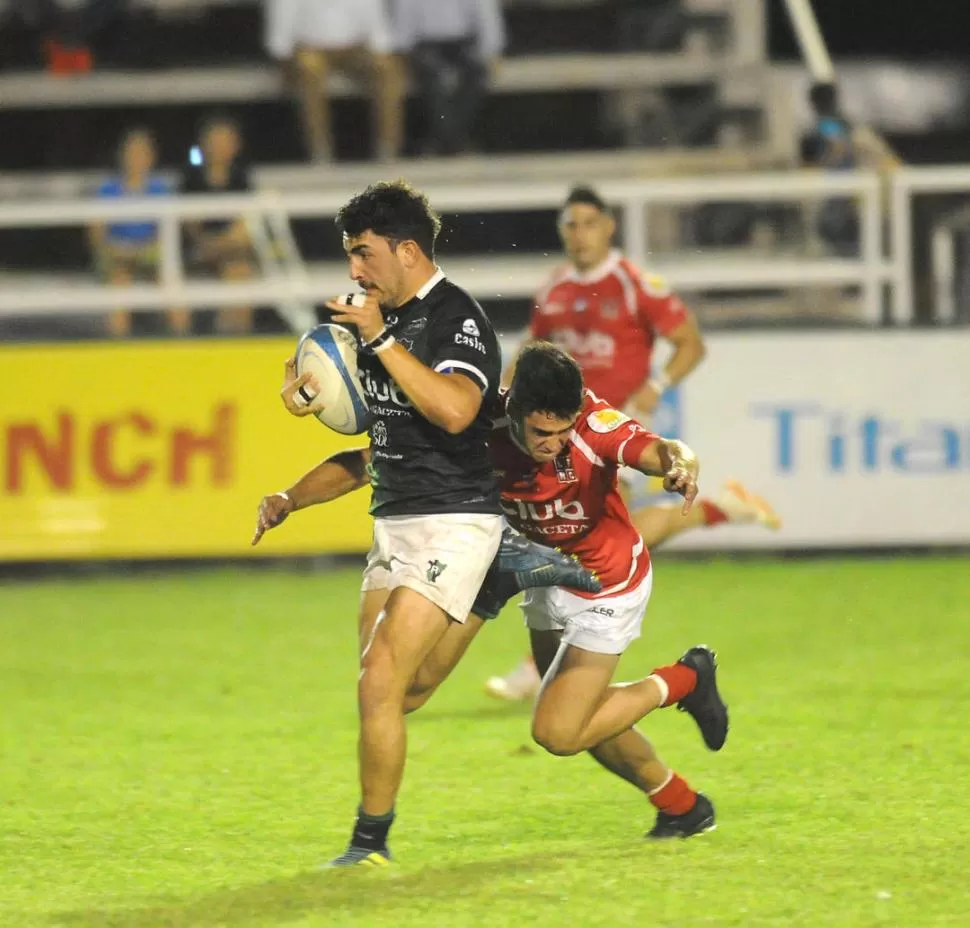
836, 144
221, 247
350, 36
452, 47
125, 252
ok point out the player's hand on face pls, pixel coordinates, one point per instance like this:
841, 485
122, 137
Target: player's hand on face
273, 510
299, 393
368, 318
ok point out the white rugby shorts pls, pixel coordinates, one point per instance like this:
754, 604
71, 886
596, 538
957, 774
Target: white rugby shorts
605, 625
442, 557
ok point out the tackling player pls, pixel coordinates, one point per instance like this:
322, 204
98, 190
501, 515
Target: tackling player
608, 314
556, 455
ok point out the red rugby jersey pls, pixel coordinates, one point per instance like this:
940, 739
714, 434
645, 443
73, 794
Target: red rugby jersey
607, 319
573, 502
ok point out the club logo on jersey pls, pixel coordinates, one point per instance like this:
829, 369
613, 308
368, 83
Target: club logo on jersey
435, 570
580, 305
655, 285
564, 469
606, 420
470, 328
415, 326
378, 434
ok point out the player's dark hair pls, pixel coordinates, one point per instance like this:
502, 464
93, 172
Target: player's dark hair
824, 99
546, 380
393, 210
587, 196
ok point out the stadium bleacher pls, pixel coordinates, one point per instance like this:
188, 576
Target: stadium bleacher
625, 89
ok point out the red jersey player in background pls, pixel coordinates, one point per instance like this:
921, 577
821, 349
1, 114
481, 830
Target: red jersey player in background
556, 456
608, 314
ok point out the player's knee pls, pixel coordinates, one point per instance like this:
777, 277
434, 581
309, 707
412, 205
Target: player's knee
555, 739
415, 698
378, 688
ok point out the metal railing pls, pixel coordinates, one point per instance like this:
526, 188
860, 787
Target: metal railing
288, 281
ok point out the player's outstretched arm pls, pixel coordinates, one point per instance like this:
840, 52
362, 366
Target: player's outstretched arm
676, 463
338, 475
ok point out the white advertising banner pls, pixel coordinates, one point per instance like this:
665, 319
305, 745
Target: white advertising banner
857, 438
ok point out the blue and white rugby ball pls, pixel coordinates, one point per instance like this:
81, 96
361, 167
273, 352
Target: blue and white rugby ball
329, 352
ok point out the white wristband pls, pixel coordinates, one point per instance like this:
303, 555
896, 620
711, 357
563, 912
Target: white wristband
660, 383
285, 495
388, 342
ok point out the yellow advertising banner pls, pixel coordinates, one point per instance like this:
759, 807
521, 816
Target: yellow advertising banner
159, 450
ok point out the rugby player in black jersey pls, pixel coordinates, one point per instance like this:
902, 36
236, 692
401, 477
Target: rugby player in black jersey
430, 365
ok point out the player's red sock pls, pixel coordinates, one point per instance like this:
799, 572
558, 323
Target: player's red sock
675, 797
713, 514
677, 680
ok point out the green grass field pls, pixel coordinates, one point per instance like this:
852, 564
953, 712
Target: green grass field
179, 751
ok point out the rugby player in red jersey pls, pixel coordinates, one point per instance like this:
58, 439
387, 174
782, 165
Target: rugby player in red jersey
556, 455
608, 314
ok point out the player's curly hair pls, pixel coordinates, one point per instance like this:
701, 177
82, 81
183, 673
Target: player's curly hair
393, 210
546, 380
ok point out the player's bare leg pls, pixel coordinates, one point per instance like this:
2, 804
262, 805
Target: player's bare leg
735, 506
578, 708
681, 812
443, 658
395, 643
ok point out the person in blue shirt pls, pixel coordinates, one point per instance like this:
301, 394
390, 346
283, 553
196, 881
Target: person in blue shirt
836, 144
126, 252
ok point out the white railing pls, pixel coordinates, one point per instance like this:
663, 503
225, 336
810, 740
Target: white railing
909, 184
516, 273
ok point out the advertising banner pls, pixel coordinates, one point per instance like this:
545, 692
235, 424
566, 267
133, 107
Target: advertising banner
857, 438
165, 449
158, 450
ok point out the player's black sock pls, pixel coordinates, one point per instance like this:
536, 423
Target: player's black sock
370, 831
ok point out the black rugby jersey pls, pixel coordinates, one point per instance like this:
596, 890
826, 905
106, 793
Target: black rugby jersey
416, 467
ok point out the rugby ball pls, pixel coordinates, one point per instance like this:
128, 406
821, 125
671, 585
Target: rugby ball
329, 353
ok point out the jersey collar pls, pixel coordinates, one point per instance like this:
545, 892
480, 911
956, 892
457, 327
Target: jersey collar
432, 282
606, 267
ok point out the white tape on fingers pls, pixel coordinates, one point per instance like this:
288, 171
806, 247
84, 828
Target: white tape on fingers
351, 299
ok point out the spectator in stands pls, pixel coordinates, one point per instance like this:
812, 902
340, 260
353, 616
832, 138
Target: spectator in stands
350, 36
221, 247
70, 27
452, 47
838, 145
125, 252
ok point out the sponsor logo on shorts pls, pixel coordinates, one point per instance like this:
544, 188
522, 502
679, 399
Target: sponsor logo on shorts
435, 570
602, 610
